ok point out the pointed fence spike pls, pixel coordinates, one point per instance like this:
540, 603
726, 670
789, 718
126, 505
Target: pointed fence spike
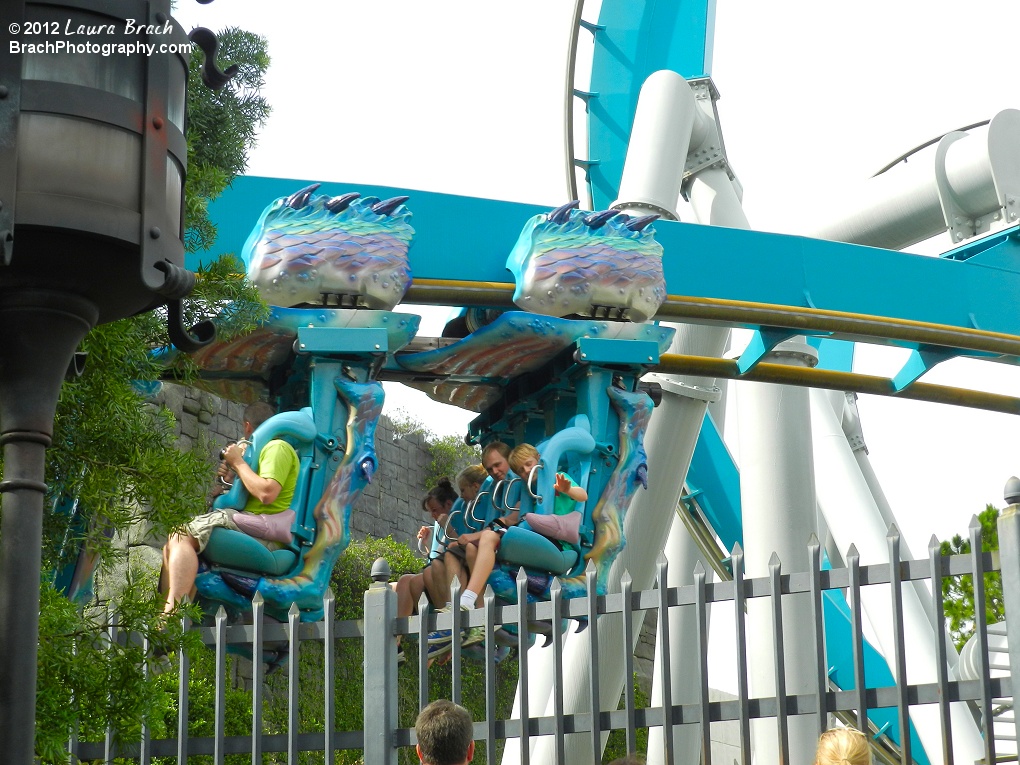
774, 560
894, 532
626, 578
699, 569
974, 523
737, 550
221, 613
423, 602
934, 543
555, 587
813, 540
521, 575
257, 598
590, 566
329, 597
661, 560
852, 552
293, 610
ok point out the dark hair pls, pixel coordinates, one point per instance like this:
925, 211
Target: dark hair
445, 732
257, 413
442, 493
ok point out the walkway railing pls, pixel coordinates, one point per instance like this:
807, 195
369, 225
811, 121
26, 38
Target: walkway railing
377, 635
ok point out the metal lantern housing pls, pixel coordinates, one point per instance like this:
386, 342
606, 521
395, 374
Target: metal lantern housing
92, 168
92, 152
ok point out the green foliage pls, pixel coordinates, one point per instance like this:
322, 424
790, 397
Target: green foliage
88, 681
616, 745
448, 455
958, 591
202, 705
222, 127
353, 572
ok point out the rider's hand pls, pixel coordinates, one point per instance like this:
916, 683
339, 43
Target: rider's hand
424, 532
562, 483
233, 454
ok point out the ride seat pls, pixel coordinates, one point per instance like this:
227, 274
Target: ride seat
523, 547
531, 550
238, 551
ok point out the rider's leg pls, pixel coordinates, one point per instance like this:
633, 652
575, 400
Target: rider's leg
409, 589
437, 582
485, 561
180, 558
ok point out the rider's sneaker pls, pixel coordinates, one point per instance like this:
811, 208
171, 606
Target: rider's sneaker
473, 636
442, 636
439, 649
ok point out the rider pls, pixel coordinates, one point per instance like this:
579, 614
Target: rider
270, 490
481, 555
437, 572
494, 462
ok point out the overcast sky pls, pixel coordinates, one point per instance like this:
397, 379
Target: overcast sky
464, 97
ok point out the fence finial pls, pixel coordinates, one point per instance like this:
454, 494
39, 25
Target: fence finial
1011, 493
380, 570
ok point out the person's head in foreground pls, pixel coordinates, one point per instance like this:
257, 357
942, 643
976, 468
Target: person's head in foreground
444, 731
494, 460
523, 458
843, 746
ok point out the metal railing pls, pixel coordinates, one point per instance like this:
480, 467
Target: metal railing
377, 636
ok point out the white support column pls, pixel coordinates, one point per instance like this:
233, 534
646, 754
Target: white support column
972, 184
853, 517
778, 501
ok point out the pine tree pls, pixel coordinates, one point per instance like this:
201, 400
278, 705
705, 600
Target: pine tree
958, 591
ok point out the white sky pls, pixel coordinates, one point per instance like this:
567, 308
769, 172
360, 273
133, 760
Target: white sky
466, 97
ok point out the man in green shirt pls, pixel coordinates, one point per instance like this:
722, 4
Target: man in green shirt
270, 490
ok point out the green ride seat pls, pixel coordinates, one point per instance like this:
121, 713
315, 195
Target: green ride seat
235, 549
525, 547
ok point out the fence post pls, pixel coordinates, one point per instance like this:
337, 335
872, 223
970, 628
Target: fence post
1009, 562
380, 668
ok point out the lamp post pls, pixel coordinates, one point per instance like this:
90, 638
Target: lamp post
92, 167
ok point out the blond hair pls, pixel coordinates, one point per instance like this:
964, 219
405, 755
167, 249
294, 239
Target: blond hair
521, 453
843, 746
472, 475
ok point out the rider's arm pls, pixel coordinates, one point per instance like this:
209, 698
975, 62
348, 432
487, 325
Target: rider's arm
565, 486
265, 490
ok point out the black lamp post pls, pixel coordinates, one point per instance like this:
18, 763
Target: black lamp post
92, 166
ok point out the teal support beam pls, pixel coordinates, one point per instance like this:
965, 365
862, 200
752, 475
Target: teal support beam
596, 350
834, 355
342, 340
636, 38
919, 362
465, 238
762, 341
923, 359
